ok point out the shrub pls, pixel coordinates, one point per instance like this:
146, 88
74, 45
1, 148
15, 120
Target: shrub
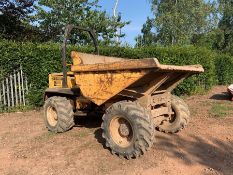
38, 60
224, 69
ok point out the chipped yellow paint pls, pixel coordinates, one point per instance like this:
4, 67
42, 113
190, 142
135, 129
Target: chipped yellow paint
101, 86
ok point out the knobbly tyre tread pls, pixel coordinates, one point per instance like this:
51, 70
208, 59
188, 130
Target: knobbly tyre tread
144, 132
64, 111
181, 101
183, 116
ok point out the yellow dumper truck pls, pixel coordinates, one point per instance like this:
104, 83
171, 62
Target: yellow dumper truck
134, 96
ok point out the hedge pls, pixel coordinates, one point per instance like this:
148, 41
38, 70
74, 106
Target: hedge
38, 60
224, 68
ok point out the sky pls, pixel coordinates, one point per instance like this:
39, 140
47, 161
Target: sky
135, 11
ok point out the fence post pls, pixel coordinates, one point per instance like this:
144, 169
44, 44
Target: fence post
15, 85
19, 83
8, 92
1, 104
26, 84
4, 94
22, 81
12, 92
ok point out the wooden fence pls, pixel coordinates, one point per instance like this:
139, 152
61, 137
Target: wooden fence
13, 90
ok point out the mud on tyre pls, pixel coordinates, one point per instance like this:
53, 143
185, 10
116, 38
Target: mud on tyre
128, 129
58, 114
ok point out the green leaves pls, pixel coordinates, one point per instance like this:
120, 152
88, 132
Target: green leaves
15, 20
84, 13
39, 60
148, 37
226, 24
224, 65
176, 21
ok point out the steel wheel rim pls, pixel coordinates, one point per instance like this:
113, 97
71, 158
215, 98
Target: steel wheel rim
121, 131
52, 116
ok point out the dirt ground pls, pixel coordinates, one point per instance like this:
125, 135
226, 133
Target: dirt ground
204, 147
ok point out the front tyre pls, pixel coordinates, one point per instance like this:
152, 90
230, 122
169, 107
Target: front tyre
58, 114
127, 129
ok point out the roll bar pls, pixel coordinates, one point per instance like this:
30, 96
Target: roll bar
68, 30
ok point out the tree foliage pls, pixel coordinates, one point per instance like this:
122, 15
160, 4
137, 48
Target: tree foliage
176, 21
213, 39
14, 19
226, 23
220, 38
148, 37
54, 15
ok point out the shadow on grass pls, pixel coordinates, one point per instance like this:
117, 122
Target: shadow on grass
211, 152
221, 96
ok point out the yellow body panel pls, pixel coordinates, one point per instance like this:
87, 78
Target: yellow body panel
100, 78
55, 80
99, 87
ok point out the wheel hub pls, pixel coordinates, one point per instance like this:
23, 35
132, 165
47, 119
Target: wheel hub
52, 116
121, 131
124, 130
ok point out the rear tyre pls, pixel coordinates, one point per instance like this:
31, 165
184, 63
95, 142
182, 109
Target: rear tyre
127, 129
58, 114
179, 120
